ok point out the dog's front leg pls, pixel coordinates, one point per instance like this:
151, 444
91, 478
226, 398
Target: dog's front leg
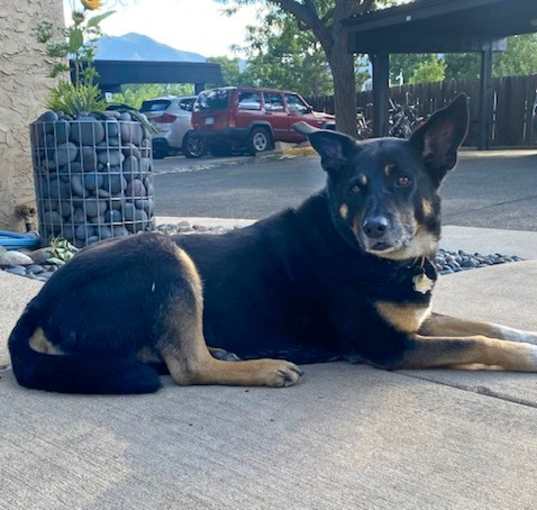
436, 352
444, 325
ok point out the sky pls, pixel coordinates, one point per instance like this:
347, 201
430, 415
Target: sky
189, 25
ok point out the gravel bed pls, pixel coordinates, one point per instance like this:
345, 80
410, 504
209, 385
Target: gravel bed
448, 262
32, 264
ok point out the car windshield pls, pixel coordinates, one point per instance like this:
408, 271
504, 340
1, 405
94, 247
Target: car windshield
217, 99
155, 105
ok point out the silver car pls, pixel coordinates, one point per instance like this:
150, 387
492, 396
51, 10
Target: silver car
171, 116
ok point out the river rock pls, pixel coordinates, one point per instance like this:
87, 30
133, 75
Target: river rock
87, 131
61, 130
131, 132
136, 188
41, 256
93, 181
65, 153
88, 159
77, 186
112, 216
96, 207
111, 157
18, 270
14, 258
114, 183
131, 150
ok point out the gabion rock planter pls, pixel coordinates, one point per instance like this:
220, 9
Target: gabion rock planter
93, 176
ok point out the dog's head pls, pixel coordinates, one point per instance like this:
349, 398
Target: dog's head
383, 192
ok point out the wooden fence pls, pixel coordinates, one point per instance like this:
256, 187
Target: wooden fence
513, 119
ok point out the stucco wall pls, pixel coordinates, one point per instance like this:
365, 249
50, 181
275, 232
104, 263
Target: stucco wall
23, 91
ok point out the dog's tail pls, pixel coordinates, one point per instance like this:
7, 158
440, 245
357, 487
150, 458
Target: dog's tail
74, 373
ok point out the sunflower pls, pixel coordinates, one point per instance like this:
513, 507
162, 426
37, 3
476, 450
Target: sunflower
91, 5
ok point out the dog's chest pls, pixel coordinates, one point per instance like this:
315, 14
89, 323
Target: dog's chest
409, 304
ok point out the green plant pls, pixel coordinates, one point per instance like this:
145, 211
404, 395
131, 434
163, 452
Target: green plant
61, 251
73, 99
76, 43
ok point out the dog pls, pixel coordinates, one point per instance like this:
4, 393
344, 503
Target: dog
347, 275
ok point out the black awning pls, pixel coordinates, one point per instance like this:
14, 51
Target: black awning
438, 26
114, 73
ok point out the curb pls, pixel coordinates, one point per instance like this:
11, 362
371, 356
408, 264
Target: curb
282, 151
298, 151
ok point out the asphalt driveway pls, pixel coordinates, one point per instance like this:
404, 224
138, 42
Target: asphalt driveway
491, 189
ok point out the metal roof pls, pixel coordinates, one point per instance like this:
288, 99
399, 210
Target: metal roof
437, 26
113, 73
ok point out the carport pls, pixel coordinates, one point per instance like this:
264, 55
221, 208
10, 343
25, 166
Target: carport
439, 26
114, 73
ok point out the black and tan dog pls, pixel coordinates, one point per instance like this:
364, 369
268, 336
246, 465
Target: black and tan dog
345, 275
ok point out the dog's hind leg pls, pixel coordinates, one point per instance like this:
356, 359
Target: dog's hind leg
435, 352
444, 325
182, 344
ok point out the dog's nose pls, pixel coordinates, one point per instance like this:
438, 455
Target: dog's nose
375, 227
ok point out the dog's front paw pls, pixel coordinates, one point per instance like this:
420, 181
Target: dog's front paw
278, 374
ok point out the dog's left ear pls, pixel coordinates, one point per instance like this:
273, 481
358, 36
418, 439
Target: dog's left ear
438, 140
334, 148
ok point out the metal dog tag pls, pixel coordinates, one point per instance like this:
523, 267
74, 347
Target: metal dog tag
422, 283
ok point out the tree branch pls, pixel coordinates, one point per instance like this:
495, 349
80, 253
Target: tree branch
363, 7
307, 15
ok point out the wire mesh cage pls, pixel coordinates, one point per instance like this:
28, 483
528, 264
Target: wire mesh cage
93, 178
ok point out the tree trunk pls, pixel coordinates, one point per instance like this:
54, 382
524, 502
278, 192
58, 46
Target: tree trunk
342, 67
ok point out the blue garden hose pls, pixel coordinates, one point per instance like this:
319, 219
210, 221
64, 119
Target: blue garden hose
16, 241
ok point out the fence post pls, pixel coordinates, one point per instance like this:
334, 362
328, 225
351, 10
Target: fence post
485, 105
381, 91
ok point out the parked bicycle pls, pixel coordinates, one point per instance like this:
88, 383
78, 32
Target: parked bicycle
402, 121
364, 126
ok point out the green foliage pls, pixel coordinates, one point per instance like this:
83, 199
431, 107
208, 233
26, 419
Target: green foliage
416, 68
73, 99
520, 59
135, 94
281, 55
76, 42
61, 251
462, 66
429, 71
231, 71
403, 65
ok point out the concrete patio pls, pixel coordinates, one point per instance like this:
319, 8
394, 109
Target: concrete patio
347, 437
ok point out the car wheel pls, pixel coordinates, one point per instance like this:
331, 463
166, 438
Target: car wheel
159, 152
260, 140
194, 146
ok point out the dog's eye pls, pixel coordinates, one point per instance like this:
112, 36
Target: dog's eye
404, 181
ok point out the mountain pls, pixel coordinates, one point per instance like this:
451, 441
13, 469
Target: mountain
140, 47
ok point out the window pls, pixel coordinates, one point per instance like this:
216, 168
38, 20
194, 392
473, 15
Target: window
273, 102
296, 105
155, 105
187, 104
249, 101
216, 99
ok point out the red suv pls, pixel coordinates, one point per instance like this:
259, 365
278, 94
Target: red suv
255, 118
